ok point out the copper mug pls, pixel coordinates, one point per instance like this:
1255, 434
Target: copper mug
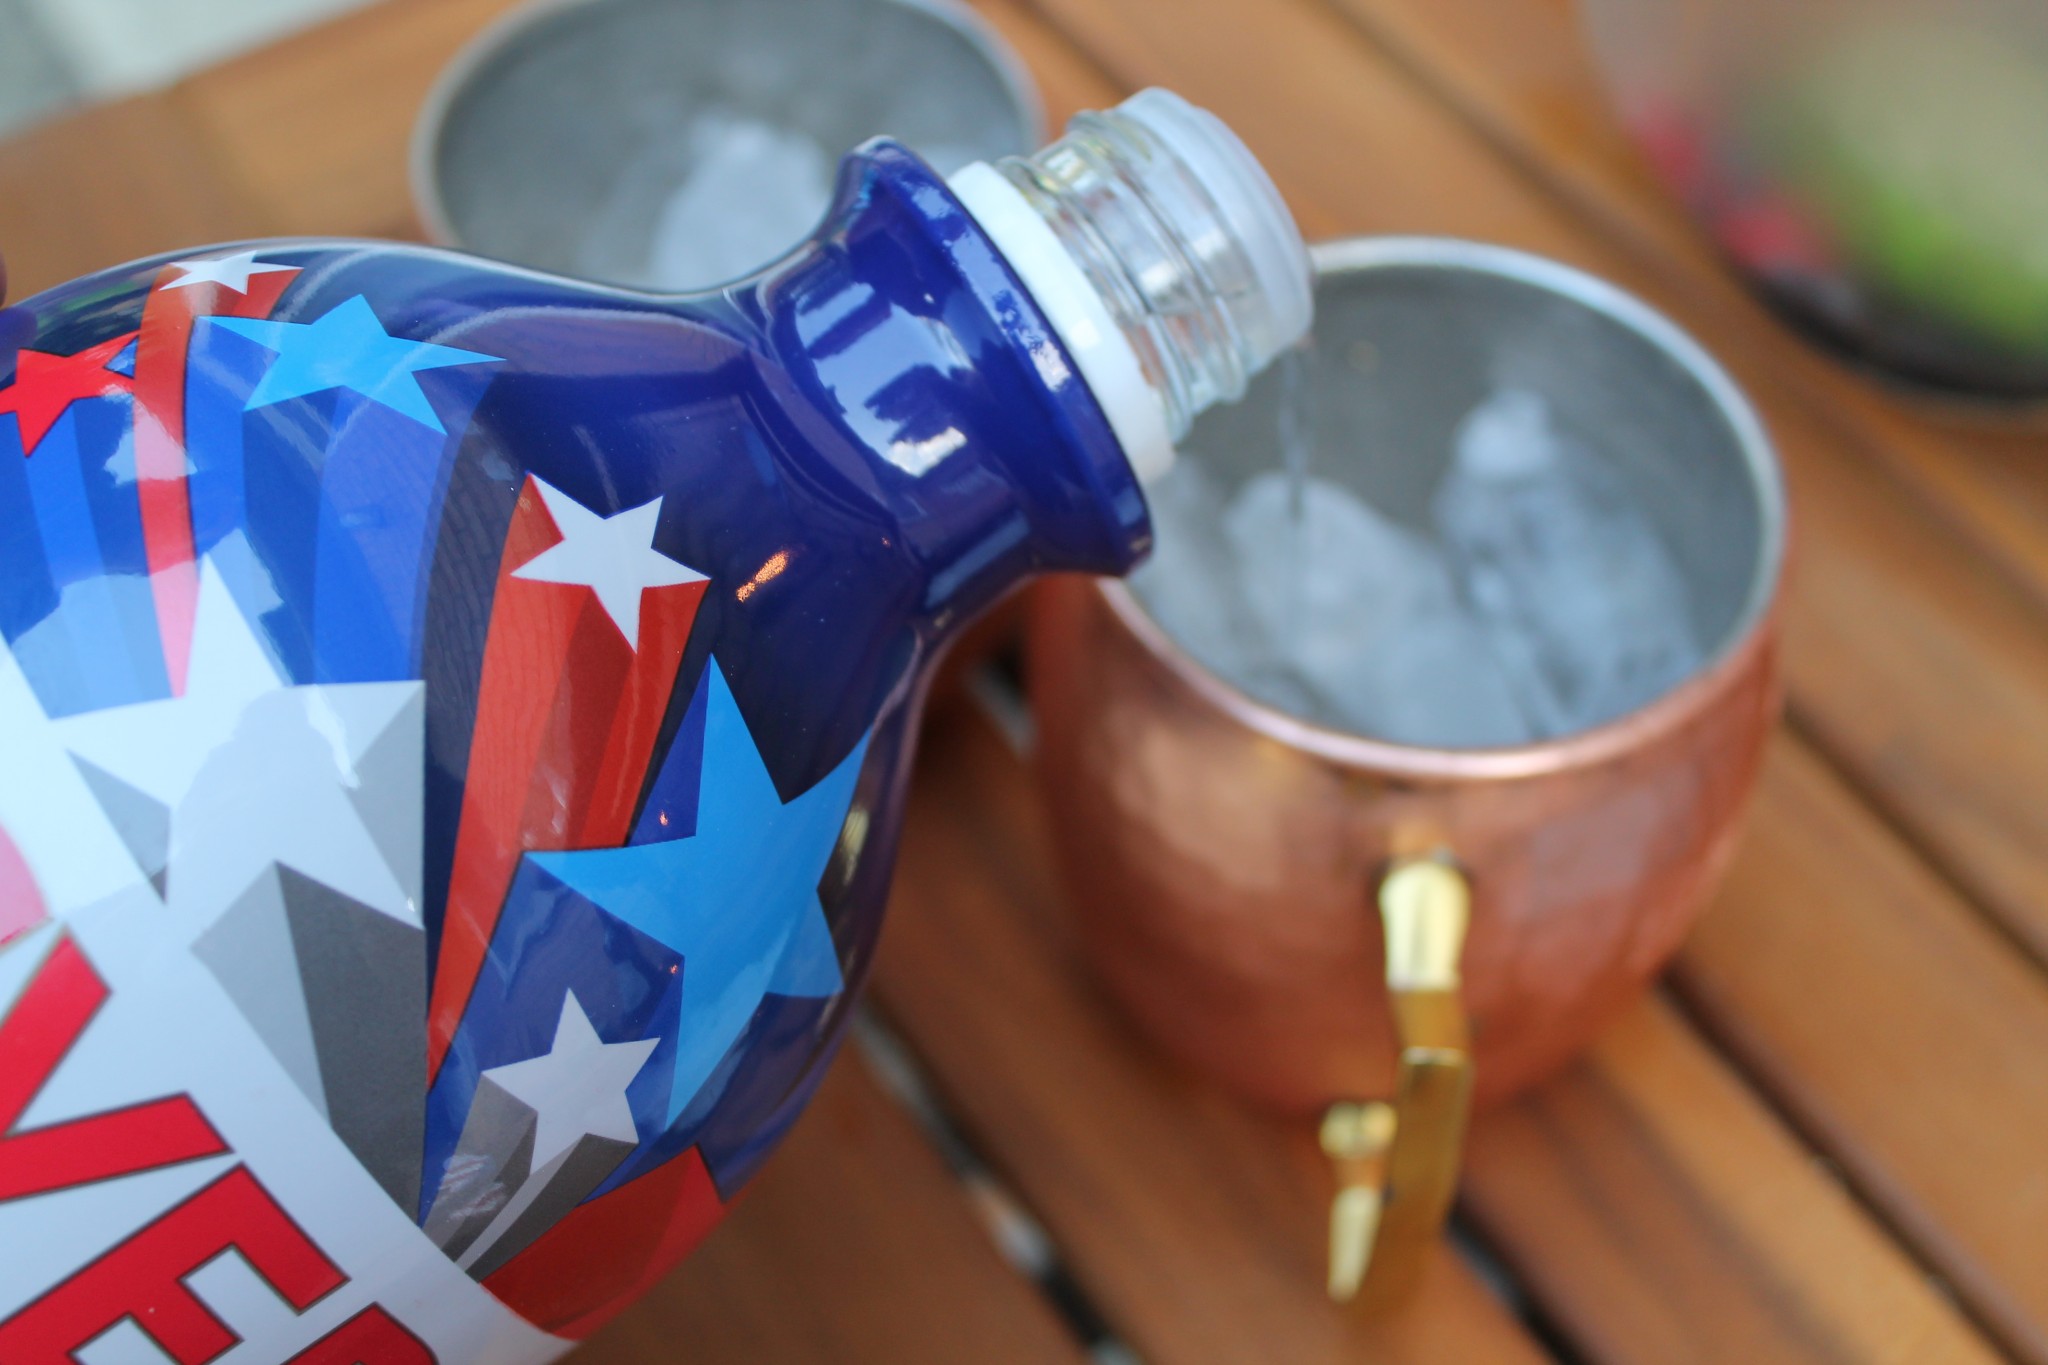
1320, 920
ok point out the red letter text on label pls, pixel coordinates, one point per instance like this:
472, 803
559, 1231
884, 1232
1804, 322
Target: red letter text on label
143, 1278
36, 1034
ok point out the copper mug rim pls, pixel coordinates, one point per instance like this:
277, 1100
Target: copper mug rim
1671, 710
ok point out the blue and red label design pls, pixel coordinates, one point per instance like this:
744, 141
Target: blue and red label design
272, 982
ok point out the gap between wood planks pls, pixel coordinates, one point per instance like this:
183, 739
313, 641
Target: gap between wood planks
1018, 1232
1015, 1230
1022, 1237
1687, 1007
855, 1245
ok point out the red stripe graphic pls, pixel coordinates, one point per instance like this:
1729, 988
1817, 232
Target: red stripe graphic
605, 1253
54, 1008
35, 1037
566, 722
160, 356
101, 1146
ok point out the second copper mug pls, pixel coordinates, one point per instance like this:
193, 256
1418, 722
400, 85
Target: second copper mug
1238, 873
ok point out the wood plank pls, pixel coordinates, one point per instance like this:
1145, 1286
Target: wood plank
1918, 665
1518, 73
1659, 1213
1067, 80
856, 1246
1899, 1030
109, 184
1196, 1225
1995, 483
305, 136
1921, 673
316, 127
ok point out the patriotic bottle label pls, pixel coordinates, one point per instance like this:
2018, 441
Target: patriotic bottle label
451, 731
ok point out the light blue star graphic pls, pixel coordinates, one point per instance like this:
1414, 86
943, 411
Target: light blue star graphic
347, 348
738, 899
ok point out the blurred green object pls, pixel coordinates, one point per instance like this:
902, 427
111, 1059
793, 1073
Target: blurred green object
1923, 145
1878, 169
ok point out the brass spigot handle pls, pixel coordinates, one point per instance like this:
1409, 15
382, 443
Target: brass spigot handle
1397, 1164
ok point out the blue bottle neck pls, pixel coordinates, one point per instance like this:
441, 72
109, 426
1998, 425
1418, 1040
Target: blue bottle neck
902, 324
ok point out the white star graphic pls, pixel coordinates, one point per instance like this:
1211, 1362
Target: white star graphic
577, 1087
254, 771
231, 272
612, 556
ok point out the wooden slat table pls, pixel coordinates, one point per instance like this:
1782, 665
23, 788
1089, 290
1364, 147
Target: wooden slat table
1827, 1140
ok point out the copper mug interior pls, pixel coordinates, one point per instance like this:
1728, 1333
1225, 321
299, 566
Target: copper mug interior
1223, 855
